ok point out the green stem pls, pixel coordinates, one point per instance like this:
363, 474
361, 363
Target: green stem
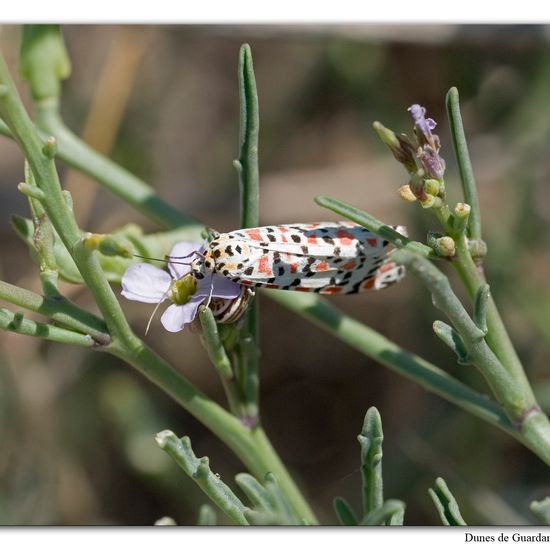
508, 394
247, 165
446, 504
125, 344
381, 515
518, 400
218, 356
497, 337
250, 445
113, 177
370, 439
14, 322
249, 179
372, 224
199, 471
80, 156
381, 349
464, 163
55, 204
59, 309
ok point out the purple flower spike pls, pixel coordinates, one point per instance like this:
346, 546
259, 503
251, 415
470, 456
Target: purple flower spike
429, 145
422, 127
432, 163
146, 283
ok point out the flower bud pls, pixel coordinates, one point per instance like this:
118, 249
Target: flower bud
400, 146
444, 246
432, 187
477, 248
431, 202
462, 210
405, 192
108, 245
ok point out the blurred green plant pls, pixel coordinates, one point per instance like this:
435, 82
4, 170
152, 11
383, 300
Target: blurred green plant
62, 250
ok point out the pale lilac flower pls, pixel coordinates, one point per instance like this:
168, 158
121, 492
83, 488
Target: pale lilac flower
152, 285
429, 144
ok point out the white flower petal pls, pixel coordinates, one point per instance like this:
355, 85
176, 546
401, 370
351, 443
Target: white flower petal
145, 283
175, 318
181, 257
217, 287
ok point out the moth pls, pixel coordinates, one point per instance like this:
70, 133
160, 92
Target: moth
324, 257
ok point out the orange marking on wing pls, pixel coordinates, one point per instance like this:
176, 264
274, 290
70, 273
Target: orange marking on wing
302, 289
254, 234
282, 230
312, 240
345, 236
264, 266
271, 285
332, 290
322, 266
368, 284
350, 265
372, 242
386, 267
294, 268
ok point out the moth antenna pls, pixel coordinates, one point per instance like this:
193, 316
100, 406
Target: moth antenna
171, 258
195, 252
149, 258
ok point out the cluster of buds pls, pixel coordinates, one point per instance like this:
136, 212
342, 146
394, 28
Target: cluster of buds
420, 157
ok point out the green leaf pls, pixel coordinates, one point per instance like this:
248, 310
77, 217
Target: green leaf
344, 512
247, 354
44, 60
370, 440
207, 515
464, 163
446, 504
254, 491
269, 506
372, 224
247, 165
452, 339
199, 471
541, 509
391, 510
481, 305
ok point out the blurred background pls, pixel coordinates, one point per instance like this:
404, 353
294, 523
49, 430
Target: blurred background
76, 428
